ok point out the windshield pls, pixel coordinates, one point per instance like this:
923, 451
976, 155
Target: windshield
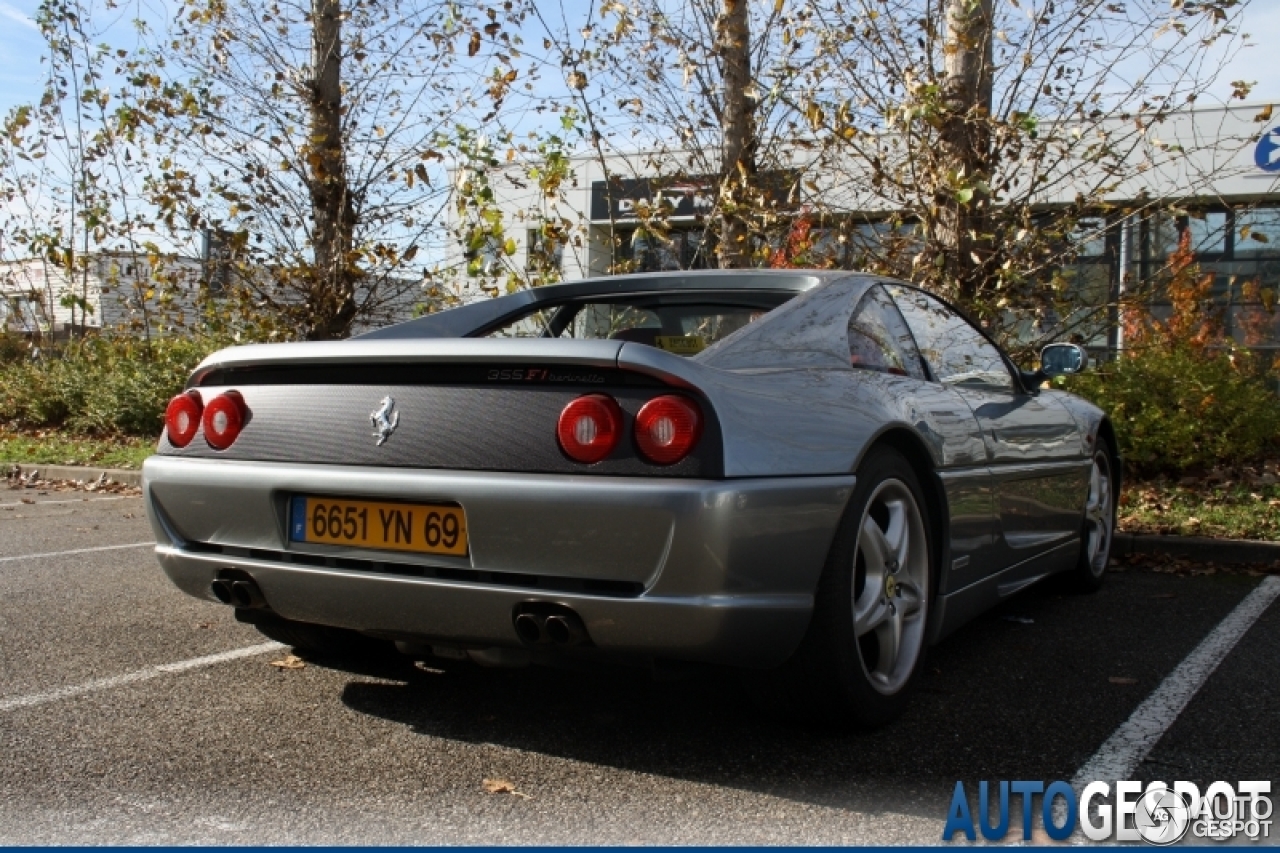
681, 323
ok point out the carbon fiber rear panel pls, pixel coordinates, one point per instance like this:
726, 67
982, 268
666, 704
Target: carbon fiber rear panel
457, 427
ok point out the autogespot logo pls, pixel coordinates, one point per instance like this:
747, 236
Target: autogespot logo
1162, 817
1160, 814
1266, 154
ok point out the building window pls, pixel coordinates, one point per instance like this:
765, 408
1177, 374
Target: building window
1240, 248
1210, 232
544, 254
1257, 232
644, 250
24, 314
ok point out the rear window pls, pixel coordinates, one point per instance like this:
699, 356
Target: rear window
684, 324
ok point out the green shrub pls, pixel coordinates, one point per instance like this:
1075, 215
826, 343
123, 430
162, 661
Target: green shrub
13, 347
100, 386
1178, 408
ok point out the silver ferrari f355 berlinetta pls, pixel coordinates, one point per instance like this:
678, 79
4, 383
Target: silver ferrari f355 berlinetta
814, 475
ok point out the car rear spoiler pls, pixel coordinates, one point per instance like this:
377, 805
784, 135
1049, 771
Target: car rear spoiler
593, 353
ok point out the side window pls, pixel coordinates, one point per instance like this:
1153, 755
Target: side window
879, 338
957, 352
613, 321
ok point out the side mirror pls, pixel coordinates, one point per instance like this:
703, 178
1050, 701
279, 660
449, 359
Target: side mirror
1063, 359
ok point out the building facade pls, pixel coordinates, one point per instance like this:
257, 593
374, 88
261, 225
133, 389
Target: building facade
1212, 174
119, 291
129, 293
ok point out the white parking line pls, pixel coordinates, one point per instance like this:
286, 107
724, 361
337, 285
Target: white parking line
75, 501
1120, 756
134, 677
77, 551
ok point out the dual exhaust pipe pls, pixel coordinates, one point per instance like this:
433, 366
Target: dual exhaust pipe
242, 592
550, 624
537, 624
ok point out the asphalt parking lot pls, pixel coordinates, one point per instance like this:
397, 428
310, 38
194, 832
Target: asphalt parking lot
132, 714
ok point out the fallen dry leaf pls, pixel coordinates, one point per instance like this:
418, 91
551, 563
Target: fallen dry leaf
289, 662
501, 786
1115, 679
429, 669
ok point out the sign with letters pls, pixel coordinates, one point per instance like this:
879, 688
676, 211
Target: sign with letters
679, 197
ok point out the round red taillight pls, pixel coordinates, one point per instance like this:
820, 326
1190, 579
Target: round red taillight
667, 428
589, 428
182, 418
224, 417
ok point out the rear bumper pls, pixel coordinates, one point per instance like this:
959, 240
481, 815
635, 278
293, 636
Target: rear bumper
722, 571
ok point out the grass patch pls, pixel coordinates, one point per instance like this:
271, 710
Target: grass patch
1223, 509
54, 447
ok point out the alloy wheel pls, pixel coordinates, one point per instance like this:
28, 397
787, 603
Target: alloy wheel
891, 586
1099, 515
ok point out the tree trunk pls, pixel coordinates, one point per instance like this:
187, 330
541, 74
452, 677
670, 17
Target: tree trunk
738, 133
331, 291
963, 227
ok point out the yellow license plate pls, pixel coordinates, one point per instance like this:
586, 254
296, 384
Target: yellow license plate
681, 344
422, 528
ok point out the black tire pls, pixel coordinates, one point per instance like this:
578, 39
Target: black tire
844, 673
1097, 529
314, 639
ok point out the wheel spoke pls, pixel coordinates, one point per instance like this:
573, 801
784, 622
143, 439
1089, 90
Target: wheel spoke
1097, 507
890, 636
871, 613
897, 537
875, 549
909, 599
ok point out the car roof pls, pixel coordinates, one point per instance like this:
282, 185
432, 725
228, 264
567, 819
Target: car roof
467, 319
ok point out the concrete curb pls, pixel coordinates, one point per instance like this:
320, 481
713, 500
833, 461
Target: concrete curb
1200, 549
123, 476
